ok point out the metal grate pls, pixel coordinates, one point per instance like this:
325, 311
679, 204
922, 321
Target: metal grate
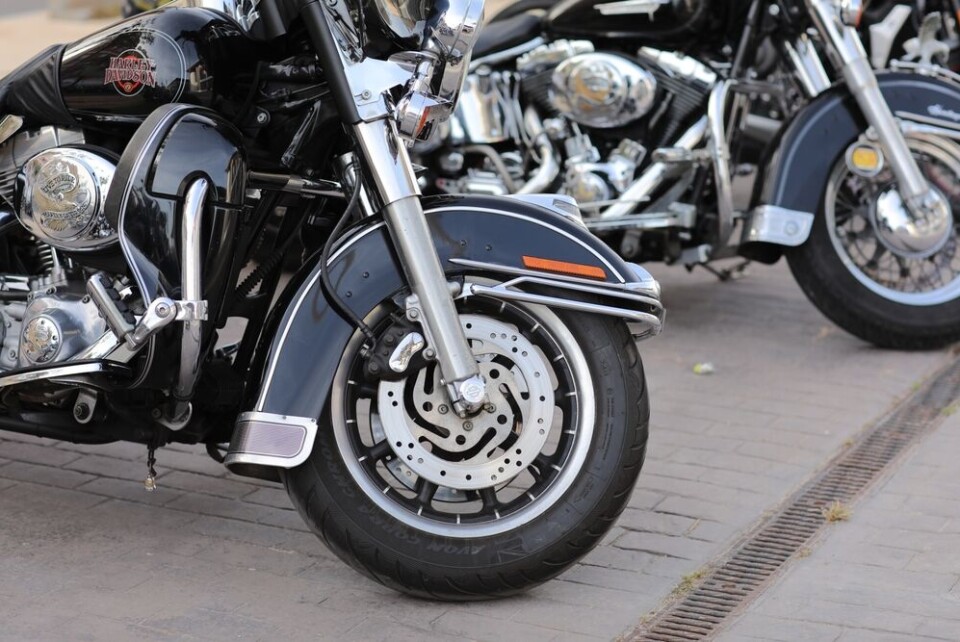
755, 560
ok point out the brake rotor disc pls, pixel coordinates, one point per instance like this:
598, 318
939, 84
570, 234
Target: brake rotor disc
491, 447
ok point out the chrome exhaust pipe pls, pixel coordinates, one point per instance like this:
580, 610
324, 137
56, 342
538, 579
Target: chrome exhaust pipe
549, 168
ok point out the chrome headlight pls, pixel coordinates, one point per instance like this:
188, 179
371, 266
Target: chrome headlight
454, 29
441, 65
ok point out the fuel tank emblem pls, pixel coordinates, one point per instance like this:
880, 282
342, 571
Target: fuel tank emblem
130, 72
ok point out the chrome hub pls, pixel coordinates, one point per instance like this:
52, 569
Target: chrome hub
467, 453
913, 232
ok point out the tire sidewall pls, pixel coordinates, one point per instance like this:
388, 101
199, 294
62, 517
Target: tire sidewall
358, 528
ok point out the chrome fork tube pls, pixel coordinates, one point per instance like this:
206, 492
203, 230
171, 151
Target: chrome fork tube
396, 185
862, 82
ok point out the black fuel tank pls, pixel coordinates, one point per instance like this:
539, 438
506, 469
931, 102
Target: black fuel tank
664, 23
122, 74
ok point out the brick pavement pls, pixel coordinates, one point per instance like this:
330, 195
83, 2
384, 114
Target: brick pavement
85, 552
892, 572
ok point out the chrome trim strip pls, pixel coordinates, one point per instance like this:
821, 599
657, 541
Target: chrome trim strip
56, 372
265, 439
128, 188
653, 321
646, 282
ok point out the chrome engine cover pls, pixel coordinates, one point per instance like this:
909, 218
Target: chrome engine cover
15, 152
602, 90
58, 326
60, 198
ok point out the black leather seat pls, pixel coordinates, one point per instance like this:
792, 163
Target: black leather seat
506, 33
33, 91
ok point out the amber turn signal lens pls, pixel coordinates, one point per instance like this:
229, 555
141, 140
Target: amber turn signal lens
562, 267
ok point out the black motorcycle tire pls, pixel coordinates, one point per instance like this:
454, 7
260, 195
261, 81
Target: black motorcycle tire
431, 566
829, 285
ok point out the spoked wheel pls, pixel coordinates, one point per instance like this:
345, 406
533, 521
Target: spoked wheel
453, 507
865, 277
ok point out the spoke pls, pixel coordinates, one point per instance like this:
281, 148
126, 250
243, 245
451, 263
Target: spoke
878, 252
489, 498
380, 451
426, 489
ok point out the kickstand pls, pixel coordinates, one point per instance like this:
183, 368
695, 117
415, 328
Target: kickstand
150, 483
738, 271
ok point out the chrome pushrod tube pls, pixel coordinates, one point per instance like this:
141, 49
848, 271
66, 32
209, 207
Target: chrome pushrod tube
653, 177
191, 259
862, 82
396, 186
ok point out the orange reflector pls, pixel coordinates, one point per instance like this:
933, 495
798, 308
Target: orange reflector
562, 267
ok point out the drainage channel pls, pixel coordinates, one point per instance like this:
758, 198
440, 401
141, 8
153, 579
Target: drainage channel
738, 578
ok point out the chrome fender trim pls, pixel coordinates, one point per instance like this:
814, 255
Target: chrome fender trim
264, 439
637, 302
777, 225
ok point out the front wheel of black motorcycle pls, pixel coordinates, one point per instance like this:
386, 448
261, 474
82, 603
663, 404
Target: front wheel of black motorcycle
855, 273
452, 508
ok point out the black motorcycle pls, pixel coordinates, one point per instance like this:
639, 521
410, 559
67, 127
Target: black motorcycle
448, 387
661, 116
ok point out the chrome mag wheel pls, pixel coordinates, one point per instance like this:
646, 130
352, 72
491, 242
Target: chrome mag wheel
854, 218
481, 475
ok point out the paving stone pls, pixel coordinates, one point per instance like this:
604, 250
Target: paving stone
657, 544
276, 497
46, 475
207, 485
241, 531
35, 453
105, 466
774, 629
654, 522
131, 491
209, 505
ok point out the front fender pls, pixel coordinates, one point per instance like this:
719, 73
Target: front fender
799, 166
304, 347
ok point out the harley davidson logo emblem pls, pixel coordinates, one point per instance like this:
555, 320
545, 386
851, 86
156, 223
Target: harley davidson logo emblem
130, 72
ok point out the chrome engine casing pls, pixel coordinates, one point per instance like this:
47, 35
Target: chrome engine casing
15, 153
61, 198
602, 90
56, 322
57, 326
